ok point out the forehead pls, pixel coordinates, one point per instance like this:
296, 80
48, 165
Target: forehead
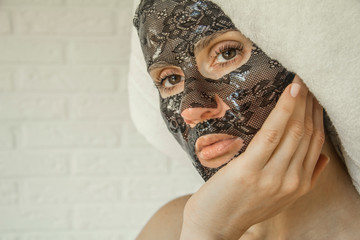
168, 30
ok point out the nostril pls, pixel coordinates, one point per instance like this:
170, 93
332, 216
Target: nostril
188, 115
210, 114
189, 122
195, 114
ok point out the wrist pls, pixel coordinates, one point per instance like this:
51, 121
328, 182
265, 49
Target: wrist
192, 231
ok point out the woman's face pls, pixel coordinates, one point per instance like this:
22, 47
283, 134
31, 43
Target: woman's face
216, 87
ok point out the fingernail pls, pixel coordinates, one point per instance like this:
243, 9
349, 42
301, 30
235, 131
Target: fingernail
295, 89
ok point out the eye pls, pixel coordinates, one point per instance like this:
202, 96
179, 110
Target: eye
227, 53
169, 81
172, 80
224, 53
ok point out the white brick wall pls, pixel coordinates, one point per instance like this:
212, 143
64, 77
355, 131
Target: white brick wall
63, 79
31, 2
5, 80
64, 21
4, 22
72, 165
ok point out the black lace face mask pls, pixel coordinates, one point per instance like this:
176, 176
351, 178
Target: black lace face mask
169, 31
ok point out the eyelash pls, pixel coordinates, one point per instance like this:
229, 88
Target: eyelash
228, 46
160, 81
164, 89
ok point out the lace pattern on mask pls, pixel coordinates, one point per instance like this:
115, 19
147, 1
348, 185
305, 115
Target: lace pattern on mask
168, 31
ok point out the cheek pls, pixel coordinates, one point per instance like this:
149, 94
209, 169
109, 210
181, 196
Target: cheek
170, 109
166, 92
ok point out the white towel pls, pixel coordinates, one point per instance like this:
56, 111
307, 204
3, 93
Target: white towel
319, 40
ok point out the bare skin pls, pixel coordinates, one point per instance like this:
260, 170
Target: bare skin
166, 223
326, 206
339, 219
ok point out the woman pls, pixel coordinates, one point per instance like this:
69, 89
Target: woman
218, 93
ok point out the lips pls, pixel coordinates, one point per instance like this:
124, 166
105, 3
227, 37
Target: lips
214, 150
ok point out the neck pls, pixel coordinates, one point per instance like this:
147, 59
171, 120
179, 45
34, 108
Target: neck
331, 210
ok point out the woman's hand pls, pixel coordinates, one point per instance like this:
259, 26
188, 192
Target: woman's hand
280, 165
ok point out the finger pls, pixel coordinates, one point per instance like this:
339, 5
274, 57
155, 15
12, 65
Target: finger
317, 140
319, 168
273, 128
296, 165
293, 135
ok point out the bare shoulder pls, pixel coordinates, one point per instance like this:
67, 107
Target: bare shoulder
166, 223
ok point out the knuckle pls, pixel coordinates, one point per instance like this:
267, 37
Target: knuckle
247, 179
304, 91
286, 109
319, 136
292, 185
271, 136
297, 129
271, 185
308, 126
242, 179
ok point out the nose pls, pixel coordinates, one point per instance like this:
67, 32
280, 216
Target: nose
193, 116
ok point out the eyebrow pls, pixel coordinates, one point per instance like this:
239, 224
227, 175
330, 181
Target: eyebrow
156, 65
201, 44
204, 42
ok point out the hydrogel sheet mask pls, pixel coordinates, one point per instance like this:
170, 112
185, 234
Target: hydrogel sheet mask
168, 32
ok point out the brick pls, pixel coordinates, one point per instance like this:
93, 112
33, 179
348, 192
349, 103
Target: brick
67, 79
160, 187
69, 21
21, 107
10, 236
7, 140
99, 107
34, 219
71, 191
31, 2
122, 162
21, 164
8, 192
5, 26
109, 51
72, 135
30, 51
132, 234
100, 3
156, 189
125, 27
113, 217
132, 137
75, 236
6, 81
